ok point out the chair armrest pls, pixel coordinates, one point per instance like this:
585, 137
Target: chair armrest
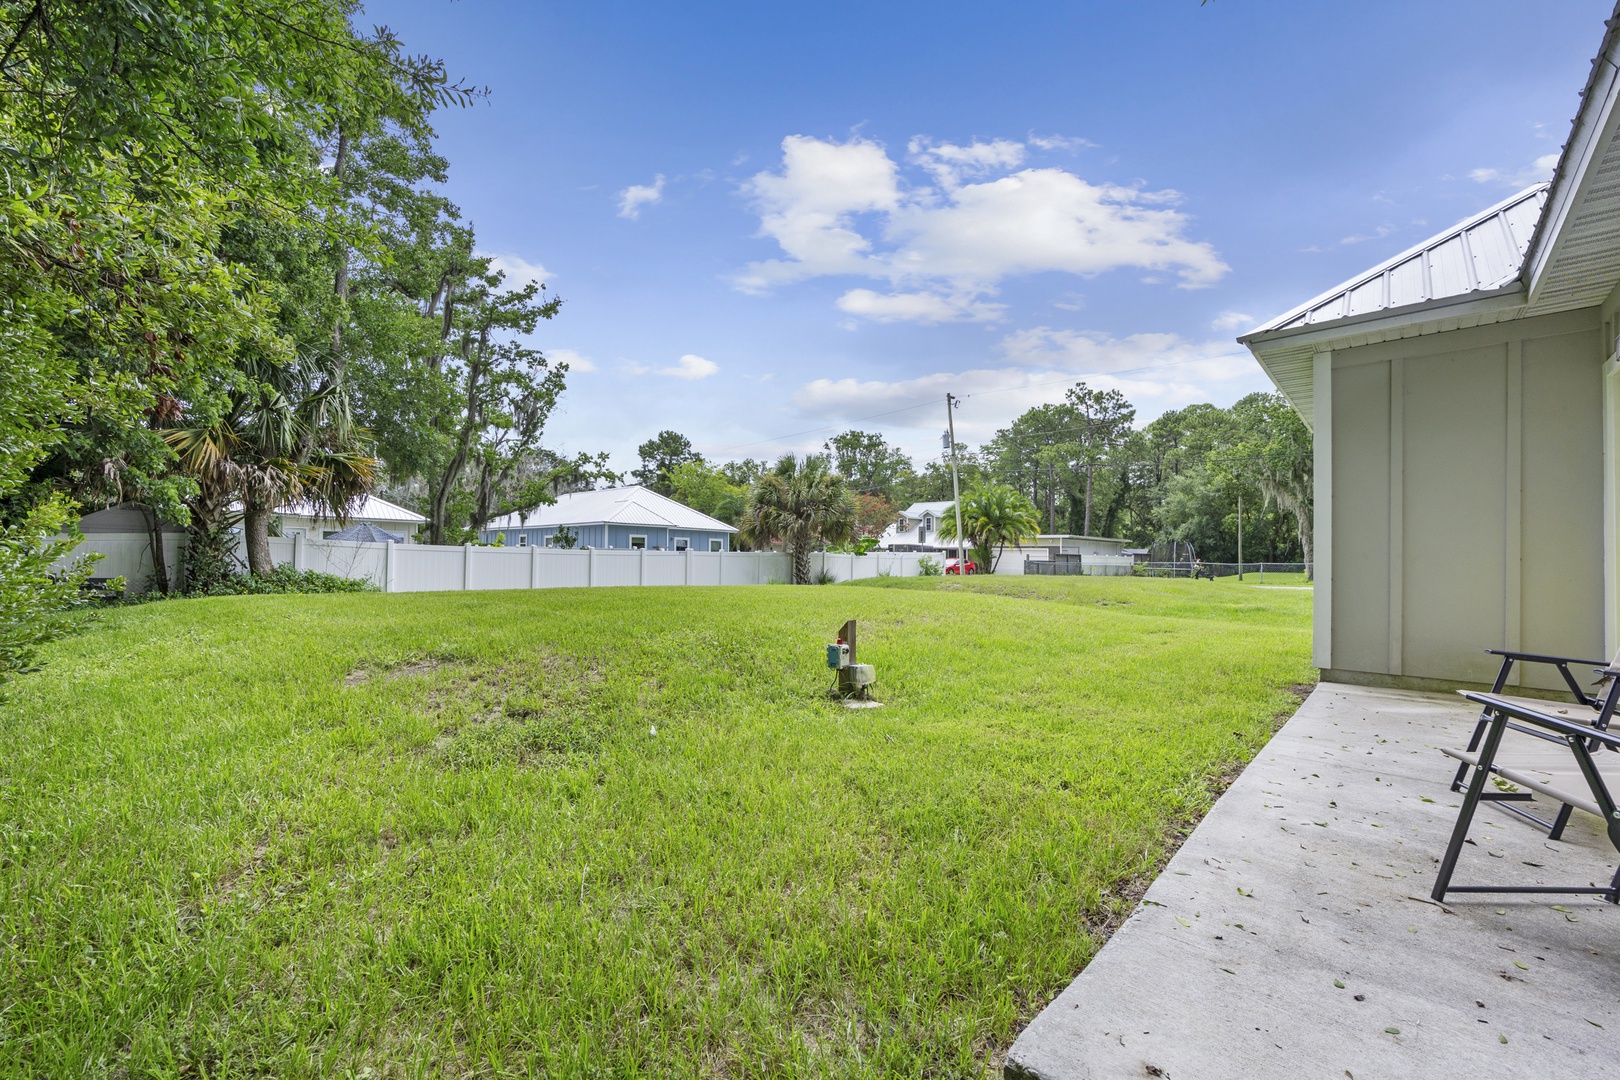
1558, 725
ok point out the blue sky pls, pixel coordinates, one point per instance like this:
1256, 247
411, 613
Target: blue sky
768, 221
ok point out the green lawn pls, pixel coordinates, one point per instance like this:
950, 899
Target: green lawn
613, 832
1253, 577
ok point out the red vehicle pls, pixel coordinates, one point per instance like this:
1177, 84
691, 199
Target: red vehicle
954, 567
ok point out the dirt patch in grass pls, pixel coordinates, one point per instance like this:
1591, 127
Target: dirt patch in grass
540, 712
407, 669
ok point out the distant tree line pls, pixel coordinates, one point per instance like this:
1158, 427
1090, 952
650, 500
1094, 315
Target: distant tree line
1080, 466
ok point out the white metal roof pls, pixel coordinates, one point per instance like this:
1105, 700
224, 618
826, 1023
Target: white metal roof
370, 508
1478, 256
634, 505
918, 509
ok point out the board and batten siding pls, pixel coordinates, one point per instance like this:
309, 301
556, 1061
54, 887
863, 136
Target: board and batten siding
613, 536
1467, 496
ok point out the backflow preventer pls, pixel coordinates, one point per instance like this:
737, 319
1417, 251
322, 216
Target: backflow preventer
854, 680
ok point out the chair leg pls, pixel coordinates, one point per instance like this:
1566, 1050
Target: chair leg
1465, 816
1557, 830
1473, 744
1606, 804
1484, 718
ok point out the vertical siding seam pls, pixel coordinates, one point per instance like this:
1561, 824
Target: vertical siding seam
1322, 519
1513, 499
1396, 656
1611, 506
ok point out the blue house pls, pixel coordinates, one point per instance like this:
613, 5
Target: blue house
626, 517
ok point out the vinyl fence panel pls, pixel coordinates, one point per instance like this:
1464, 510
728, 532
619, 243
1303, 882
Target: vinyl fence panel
444, 568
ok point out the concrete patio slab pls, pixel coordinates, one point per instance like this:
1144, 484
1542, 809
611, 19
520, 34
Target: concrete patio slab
1292, 936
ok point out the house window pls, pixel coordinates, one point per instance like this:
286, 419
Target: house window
681, 543
717, 545
638, 543
523, 539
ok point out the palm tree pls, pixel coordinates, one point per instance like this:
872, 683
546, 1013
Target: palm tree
277, 441
802, 503
992, 516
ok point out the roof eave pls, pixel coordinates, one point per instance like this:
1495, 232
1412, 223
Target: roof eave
1511, 295
1594, 127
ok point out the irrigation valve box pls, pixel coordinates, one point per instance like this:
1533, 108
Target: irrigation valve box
854, 679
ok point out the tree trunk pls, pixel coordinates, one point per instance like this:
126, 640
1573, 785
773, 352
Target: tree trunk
1307, 545
256, 528
160, 563
340, 282
439, 508
801, 564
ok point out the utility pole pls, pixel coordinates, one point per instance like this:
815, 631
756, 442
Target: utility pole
956, 484
1240, 536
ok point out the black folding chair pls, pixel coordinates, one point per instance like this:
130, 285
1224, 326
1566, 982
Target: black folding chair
1582, 739
1596, 708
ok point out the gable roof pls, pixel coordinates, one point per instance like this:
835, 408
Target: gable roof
633, 505
918, 509
369, 508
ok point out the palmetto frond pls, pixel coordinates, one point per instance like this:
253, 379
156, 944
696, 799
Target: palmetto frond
801, 501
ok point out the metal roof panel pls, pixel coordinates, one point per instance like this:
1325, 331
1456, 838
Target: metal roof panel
1483, 253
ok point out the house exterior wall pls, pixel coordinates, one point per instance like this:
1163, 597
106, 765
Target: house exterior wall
1466, 500
603, 535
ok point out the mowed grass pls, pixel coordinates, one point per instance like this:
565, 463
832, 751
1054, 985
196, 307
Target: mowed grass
613, 832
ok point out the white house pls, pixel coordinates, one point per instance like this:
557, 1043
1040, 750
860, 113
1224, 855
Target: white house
1465, 401
623, 517
917, 528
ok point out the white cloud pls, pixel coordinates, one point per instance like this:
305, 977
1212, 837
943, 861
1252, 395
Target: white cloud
691, 366
1099, 354
576, 363
1155, 371
1232, 320
518, 270
949, 163
1060, 142
1537, 171
634, 197
923, 307
1361, 238
845, 209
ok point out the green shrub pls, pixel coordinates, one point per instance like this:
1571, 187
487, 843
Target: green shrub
824, 577
928, 566
37, 595
284, 579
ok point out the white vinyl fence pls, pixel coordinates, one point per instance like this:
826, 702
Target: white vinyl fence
429, 568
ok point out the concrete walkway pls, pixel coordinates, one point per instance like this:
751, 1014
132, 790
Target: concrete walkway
1314, 871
